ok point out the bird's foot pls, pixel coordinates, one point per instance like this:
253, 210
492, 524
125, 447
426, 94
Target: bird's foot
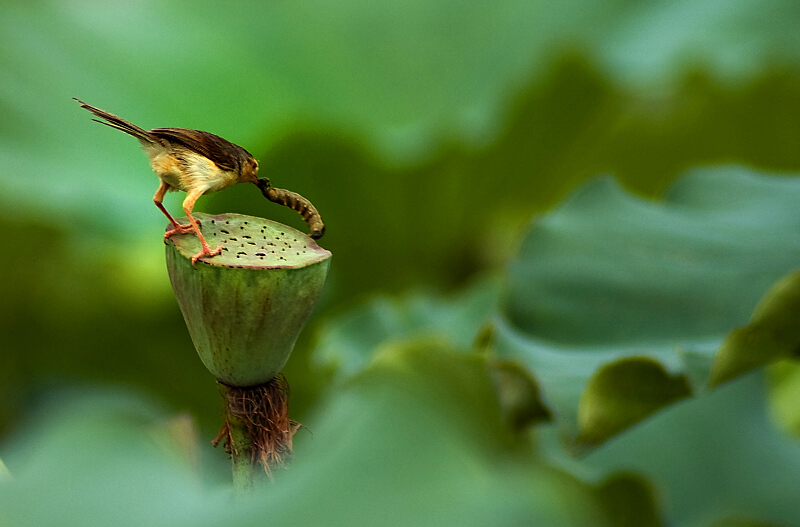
179, 229
206, 252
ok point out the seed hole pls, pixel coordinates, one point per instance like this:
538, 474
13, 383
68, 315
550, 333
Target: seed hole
223, 230
234, 239
261, 254
246, 236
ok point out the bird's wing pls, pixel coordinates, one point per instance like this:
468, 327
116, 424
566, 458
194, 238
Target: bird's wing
226, 155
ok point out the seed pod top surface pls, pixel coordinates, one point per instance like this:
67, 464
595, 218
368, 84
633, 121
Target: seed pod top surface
250, 242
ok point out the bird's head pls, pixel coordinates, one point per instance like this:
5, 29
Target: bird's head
249, 171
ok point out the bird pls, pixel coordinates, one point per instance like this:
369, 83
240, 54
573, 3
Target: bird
195, 162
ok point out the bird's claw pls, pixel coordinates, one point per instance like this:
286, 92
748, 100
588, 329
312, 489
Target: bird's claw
179, 229
206, 252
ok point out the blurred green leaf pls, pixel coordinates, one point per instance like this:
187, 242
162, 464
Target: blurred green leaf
616, 305
624, 392
772, 334
425, 439
784, 392
178, 436
94, 458
630, 501
349, 341
416, 439
652, 42
742, 522
713, 457
518, 394
608, 276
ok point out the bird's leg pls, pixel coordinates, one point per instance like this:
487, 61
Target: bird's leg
188, 205
177, 227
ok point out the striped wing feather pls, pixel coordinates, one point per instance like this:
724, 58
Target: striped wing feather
226, 155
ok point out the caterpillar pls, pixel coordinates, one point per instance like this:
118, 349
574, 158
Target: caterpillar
294, 201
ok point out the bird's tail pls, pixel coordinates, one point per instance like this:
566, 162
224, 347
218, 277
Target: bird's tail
113, 121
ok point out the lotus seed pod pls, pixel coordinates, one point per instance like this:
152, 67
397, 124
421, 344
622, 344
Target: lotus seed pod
245, 307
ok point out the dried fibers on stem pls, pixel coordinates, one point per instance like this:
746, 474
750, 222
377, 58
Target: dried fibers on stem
263, 412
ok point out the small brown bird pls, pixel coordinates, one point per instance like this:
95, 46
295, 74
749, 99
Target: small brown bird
199, 163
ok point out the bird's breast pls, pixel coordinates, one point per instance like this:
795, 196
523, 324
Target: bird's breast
186, 170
